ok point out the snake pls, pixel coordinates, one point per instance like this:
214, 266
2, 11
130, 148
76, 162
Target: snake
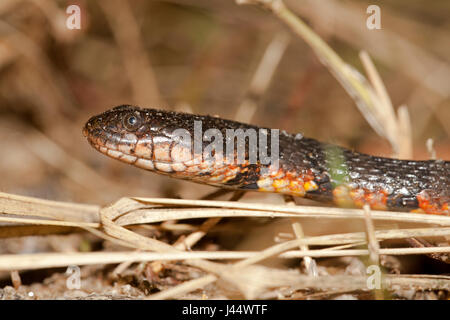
222, 154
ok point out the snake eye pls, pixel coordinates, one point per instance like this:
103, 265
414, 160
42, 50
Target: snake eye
131, 122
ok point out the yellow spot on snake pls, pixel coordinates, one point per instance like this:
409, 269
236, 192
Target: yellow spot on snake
280, 183
297, 188
310, 186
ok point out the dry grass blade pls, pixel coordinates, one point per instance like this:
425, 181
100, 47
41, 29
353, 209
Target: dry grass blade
405, 133
352, 81
49, 222
128, 211
262, 77
55, 260
310, 264
65, 211
389, 46
371, 97
268, 210
135, 60
244, 274
373, 245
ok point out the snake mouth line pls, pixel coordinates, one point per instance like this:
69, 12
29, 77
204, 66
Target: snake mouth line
163, 167
206, 171
147, 164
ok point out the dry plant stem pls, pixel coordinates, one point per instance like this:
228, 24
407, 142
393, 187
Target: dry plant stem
421, 243
55, 16
363, 252
188, 242
195, 237
354, 83
53, 260
345, 74
150, 244
169, 226
299, 282
405, 133
373, 246
49, 222
309, 262
384, 111
73, 213
57, 93
184, 243
310, 265
111, 216
397, 129
15, 279
388, 46
266, 253
65, 211
122, 267
107, 237
340, 247
126, 31
379, 87
267, 210
262, 77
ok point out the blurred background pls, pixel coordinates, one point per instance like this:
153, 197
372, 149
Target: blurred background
200, 56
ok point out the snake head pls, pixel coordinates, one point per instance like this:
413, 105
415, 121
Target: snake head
114, 127
142, 137
116, 131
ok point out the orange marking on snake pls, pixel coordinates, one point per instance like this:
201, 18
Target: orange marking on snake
346, 197
432, 206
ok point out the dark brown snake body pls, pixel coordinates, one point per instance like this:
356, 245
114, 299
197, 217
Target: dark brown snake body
305, 167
